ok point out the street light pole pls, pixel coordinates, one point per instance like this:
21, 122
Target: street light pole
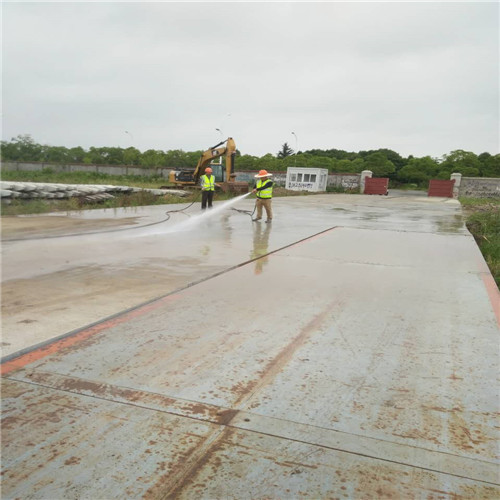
131, 145
296, 148
131, 138
220, 132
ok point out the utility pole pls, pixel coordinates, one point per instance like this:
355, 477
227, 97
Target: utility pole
131, 138
296, 148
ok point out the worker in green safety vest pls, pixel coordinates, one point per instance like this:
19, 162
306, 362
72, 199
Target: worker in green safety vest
264, 191
207, 181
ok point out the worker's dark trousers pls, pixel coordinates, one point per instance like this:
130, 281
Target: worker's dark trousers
206, 196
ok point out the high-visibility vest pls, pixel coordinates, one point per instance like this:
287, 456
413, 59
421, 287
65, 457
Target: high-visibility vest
208, 182
267, 192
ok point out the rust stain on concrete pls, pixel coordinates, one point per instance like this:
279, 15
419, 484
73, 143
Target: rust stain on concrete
59, 346
274, 367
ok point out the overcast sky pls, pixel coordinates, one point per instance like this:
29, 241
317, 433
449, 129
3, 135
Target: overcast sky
420, 78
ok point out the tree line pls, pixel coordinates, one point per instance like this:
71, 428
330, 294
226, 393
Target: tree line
382, 162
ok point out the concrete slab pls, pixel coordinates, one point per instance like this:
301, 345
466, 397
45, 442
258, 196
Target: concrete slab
52, 284
348, 350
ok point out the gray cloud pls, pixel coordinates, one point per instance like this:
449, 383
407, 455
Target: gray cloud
419, 78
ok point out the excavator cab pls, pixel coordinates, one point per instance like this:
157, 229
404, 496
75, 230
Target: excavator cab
185, 176
218, 171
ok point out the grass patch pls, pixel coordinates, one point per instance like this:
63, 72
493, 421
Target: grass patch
342, 190
482, 218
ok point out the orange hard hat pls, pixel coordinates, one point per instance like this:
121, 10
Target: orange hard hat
263, 173
208, 170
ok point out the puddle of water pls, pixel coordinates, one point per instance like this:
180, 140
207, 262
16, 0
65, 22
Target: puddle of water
453, 224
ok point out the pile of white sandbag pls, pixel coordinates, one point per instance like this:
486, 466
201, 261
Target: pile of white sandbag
88, 192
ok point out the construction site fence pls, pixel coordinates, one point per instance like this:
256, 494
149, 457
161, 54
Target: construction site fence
346, 181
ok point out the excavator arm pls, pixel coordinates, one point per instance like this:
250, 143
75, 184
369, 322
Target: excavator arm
191, 178
229, 150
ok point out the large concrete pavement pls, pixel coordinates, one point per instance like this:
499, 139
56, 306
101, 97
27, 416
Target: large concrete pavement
348, 350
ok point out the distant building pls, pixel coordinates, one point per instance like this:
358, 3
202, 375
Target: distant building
306, 179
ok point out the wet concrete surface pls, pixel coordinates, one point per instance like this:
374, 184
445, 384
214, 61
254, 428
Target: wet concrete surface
347, 350
53, 284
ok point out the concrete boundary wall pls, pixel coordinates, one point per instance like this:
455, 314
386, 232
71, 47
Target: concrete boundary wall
279, 178
79, 167
479, 187
476, 187
344, 180
341, 180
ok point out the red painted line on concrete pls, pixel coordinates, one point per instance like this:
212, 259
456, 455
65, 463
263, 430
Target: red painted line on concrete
58, 345
493, 294
309, 238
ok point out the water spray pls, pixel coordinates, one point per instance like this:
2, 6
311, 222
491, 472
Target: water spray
207, 213
247, 212
224, 205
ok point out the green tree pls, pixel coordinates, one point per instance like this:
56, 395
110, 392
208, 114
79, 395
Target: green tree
192, 158
463, 162
131, 156
337, 154
268, 162
112, 155
327, 163
246, 162
286, 150
419, 170
343, 166
397, 160
358, 165
55, 154
490, 165
348, 166
379, 165
152, 158
94, 157
76, 155
22, 148
313, 161
177, 158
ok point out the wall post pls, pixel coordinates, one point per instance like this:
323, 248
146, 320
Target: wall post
456, 187
364, 175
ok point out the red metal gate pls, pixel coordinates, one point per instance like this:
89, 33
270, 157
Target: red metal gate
441, 188
377, 185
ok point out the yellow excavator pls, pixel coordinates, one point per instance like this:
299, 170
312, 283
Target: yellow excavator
225, 178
